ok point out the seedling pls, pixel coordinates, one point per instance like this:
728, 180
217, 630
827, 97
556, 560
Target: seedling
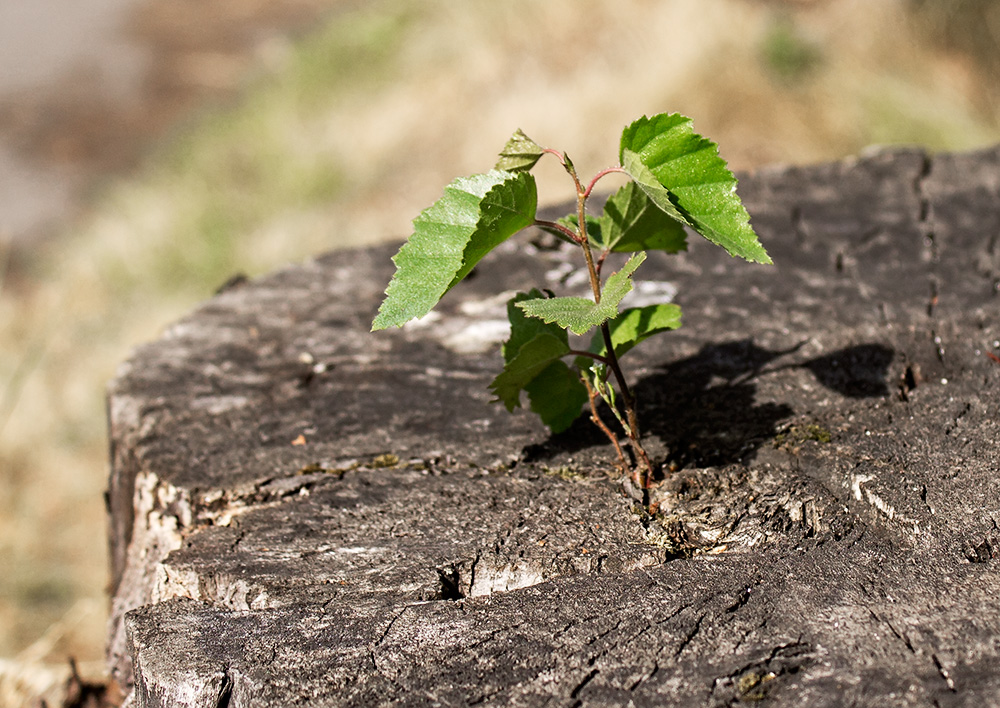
677, 180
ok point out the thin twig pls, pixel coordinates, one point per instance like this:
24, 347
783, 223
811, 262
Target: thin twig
623, 465
555, 226
643, 470
599, 175
589, 355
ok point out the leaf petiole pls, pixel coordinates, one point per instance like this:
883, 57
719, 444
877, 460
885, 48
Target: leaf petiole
555, 227
599, 175
590, 355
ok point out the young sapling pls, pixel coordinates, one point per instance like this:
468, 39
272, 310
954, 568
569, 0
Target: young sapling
677, 180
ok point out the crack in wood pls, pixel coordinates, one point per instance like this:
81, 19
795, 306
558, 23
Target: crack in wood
689, 637
225, 696
578, 689
385, 633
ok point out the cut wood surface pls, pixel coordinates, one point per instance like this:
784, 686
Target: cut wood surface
303, 512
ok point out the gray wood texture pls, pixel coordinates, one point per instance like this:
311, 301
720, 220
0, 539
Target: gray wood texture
303, 512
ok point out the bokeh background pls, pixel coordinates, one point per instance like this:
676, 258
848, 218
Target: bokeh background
151, 149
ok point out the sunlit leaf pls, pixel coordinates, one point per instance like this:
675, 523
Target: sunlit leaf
636, 324
632, 222
683, 174
504, 210
475, 215
580, 314
520, 153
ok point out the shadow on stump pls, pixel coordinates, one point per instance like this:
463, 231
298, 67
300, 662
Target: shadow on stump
703, 408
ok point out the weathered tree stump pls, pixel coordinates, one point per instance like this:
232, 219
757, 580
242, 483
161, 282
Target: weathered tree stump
303, 512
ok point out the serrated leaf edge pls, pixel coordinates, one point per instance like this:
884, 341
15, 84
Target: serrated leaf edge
617, 286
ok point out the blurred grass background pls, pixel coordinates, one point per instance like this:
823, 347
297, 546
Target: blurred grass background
342, 137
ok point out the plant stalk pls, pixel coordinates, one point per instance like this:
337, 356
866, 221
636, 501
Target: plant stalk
599, 175
643, 469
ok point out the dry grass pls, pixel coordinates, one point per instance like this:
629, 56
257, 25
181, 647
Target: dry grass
343, 140
28, 679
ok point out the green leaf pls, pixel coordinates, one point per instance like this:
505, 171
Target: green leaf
533, 357
504, 210
475, 215
683, 174
579, 314
557, 395
520, 153
636, 324
649, 184
523, 329
632, 222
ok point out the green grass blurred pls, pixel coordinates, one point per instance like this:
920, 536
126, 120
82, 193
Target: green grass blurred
348, 134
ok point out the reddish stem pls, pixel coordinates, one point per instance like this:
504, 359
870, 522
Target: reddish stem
558, 154
599, 175
569, 233
590, 355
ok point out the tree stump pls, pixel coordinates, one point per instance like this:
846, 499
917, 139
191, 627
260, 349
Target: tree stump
305, 512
